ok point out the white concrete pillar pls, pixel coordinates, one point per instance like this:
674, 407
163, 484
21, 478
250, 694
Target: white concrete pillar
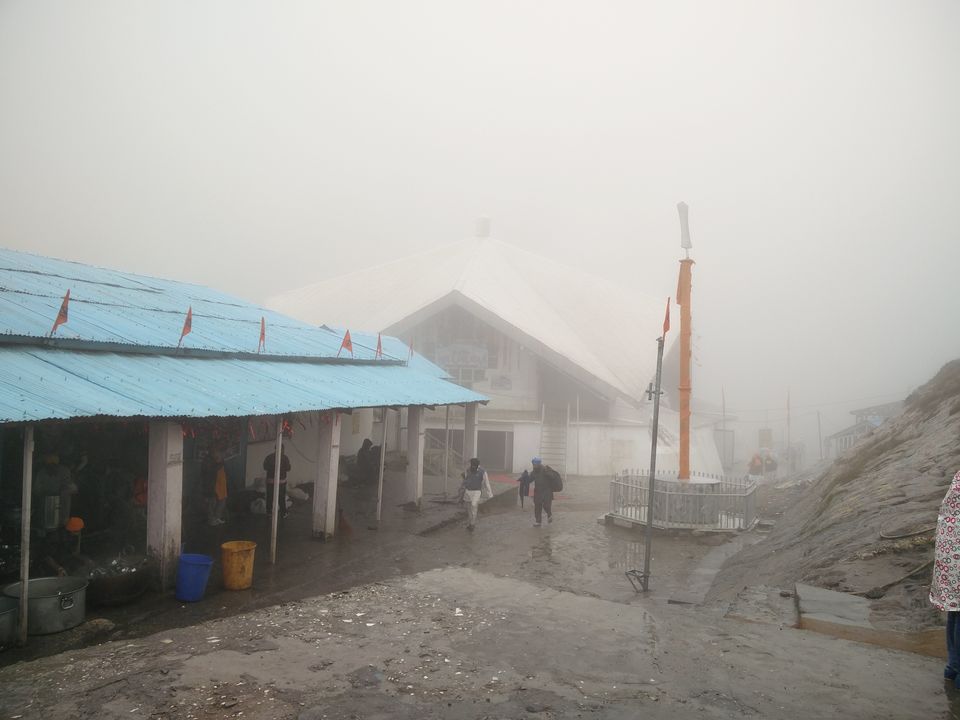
415, 446
328, 471
470, 432
165, 498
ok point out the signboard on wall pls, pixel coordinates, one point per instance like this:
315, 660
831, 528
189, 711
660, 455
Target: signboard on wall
462, 355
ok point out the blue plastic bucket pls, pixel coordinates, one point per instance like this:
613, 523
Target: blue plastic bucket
193, 571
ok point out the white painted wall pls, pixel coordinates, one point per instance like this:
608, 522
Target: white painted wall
605, 449
302, 449
354, 428
526, 444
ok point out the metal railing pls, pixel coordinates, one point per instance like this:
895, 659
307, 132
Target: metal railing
704, 503
433, 458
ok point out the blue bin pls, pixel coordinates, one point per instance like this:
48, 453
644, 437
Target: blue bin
193, 571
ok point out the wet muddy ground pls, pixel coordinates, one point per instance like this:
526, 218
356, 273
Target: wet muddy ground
510, 621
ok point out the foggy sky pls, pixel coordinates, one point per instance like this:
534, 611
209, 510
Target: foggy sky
258, 146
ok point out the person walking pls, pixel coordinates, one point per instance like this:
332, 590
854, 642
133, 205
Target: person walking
475, 484
945, 586
546, 481
524, 488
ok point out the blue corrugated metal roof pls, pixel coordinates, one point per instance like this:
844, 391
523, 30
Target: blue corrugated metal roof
116, 359
119, 308
41, 384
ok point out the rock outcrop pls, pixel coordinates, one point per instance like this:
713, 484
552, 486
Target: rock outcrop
868, 519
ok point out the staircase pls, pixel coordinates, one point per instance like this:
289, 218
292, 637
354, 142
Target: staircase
553, 438
433, 459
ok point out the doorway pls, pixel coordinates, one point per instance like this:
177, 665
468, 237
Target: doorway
495, 450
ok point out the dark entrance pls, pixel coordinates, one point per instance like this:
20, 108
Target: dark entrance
495, 450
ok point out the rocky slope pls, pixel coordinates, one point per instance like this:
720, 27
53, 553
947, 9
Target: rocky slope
838, 532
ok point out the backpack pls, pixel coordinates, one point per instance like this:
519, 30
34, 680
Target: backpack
555, 480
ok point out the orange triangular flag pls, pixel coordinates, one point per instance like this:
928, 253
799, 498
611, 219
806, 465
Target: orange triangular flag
410, 354
187, 325
263, 335
379, 353
347, 344
62, 315
666, 319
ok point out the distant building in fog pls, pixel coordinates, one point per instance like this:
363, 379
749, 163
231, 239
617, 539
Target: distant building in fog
565, 356
866, 420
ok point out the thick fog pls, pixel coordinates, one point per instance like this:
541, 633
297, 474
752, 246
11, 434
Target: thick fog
259, 146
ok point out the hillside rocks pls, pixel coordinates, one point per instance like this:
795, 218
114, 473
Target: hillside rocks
846, 529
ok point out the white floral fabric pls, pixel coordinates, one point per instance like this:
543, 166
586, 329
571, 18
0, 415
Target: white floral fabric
945, 587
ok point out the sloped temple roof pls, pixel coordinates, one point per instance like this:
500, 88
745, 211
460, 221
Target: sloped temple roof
598, 331
117, 354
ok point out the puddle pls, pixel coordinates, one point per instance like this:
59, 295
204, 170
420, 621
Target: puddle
926, 642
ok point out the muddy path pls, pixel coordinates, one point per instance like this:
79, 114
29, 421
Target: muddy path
510, 621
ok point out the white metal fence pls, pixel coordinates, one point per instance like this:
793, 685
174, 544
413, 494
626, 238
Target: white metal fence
703, 503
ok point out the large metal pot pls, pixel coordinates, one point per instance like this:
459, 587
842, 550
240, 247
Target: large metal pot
9, 612
54, 604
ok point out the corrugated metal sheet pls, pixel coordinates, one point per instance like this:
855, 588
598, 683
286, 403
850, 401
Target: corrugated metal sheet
109, 306
41, 384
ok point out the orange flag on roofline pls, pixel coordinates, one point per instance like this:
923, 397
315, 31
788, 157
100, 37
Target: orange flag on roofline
379, 354
62, 316
347, 344
187, 325
263, 335
410, 353
666, 319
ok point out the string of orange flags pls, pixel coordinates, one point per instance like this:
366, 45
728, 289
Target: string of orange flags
347, 344
63, 315
262, 345
187, 325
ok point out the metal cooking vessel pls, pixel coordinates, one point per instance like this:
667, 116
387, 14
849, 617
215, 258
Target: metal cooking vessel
54, 604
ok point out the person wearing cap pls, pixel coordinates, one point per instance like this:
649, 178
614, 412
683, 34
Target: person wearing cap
475, 484
543, 486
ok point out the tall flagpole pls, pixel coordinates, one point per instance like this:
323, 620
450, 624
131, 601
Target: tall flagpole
654, 431
686, 331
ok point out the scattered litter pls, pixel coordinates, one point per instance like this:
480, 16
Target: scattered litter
458, 612
166, 641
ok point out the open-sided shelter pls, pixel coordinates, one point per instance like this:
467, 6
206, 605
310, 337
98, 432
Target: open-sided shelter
126, 377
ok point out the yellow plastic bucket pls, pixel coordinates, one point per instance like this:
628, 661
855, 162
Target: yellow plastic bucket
237, 558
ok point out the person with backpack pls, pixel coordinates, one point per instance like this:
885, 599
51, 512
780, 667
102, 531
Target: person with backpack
546, 481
